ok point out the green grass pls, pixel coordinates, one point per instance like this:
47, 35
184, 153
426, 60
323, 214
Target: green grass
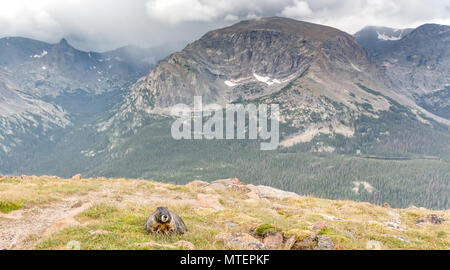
7, 207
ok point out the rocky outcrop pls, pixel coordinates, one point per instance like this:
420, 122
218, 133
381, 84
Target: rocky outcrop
77, 177
270, 192
431, 219
252, 191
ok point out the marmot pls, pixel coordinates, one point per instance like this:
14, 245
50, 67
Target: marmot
165, 222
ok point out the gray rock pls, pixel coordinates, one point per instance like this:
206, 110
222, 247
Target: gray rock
270, 192
273, 241
324, 242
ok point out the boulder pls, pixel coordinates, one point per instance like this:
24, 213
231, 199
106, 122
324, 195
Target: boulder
232, 184
240, 241
77, 177
273, 241
324, 242
270, 192
432, 218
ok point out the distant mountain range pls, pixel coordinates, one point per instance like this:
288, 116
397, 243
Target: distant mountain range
382, 93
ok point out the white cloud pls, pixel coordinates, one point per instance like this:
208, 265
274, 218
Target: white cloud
231, 17
299, 9
175, 11
106, 24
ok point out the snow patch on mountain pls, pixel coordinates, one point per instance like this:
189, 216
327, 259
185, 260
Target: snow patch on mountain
386, 37
230, 83
266, 80
44, 53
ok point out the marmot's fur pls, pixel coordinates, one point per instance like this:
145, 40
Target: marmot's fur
165, 222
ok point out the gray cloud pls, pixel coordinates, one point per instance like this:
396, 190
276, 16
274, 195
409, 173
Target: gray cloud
107, 24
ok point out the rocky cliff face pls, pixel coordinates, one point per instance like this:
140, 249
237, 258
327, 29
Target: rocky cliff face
308, 68
419, 64
248, 60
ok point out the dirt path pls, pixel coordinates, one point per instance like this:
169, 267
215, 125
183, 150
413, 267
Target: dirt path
18, 227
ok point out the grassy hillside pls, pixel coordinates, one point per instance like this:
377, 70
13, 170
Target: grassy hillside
53, 213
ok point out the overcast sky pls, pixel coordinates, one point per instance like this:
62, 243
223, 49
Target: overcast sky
106, 24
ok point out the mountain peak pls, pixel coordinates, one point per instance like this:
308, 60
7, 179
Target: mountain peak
285, 25
63, 42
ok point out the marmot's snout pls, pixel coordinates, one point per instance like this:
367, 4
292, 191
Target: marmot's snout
164, 218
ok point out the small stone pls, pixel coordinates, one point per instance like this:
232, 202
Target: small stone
77, 177
77, 204
434, 219
394, 225
386, 205
274, 241
155, 245
229, 226
328, 217
399, 238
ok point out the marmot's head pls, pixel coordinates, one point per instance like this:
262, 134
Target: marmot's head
162, 215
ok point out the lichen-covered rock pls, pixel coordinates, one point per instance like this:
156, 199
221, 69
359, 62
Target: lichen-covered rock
240, 241
273, 241
324, 242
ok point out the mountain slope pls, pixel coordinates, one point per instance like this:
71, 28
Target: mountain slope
376, 39
47, 90
418, 64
